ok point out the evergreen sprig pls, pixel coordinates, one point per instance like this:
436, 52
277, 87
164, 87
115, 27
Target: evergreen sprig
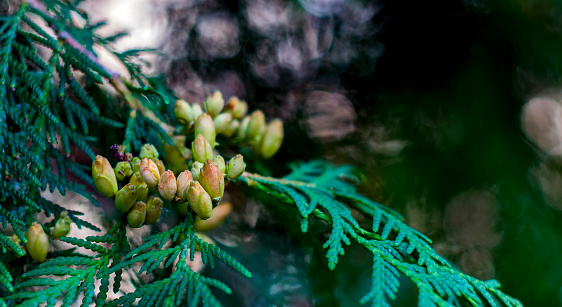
398, 250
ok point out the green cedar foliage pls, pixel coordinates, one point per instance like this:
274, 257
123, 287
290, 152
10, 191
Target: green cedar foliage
46, 114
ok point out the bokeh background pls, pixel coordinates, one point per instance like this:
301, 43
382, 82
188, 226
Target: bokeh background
451, 109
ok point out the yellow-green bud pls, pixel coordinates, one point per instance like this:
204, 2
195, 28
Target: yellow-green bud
222, 121
243, 128
219, 161
137, 215
62, 226
135, 164
153, 209
168, 185
183, 112
149, 172
232, 128
37, 242
142, 188
184, 181
214, 104
196, 111
272, 139
104, 177
236, 107
205, 126
212, 180
218, 215
199, 201
235, 167
196, 169
201, 149
256, 126
160, 166
126, 198
123, 170
148, 151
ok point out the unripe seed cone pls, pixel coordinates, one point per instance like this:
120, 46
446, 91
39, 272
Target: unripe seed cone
104, 177
142, 188
219, 161
184, 182
135, 164
153, 209
37, 242
205, 126
212, 180
149, 172
168, 185
235, 167
196, 169
160, 166
218, 215
243, 128
126, 198
272, 139
62, 226
222, 121
137, 215
123, 170
148, 151
183, 112
256, 126
196, 111
201, 149
236, 107
199, 201
214, 104
232, 128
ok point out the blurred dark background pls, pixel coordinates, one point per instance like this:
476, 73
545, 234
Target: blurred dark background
450, 108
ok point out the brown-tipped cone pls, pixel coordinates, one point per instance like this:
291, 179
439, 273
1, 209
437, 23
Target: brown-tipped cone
214, 104
168, 185
37, 242
137, 215
184, 182
205, 126
201, 149
212, 180
236, 107
104, 177
149, 172
154, 207
199, 201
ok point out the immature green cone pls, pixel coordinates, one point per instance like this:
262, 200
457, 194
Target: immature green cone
272, 139
196, 169
232, 128
148, 151
123, 170
142, 188
212, 180
160, 166
168, 186
219, 161
205, 126
135, 164
37, 242
236, 107
183, 112
235, 167
104, 177
214, 104
184, 182
62, 226
196, 111
199, 201
222, 121
137, 215
153, 209
243, 128
126, 198
201, 149
256, 126
149, 172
